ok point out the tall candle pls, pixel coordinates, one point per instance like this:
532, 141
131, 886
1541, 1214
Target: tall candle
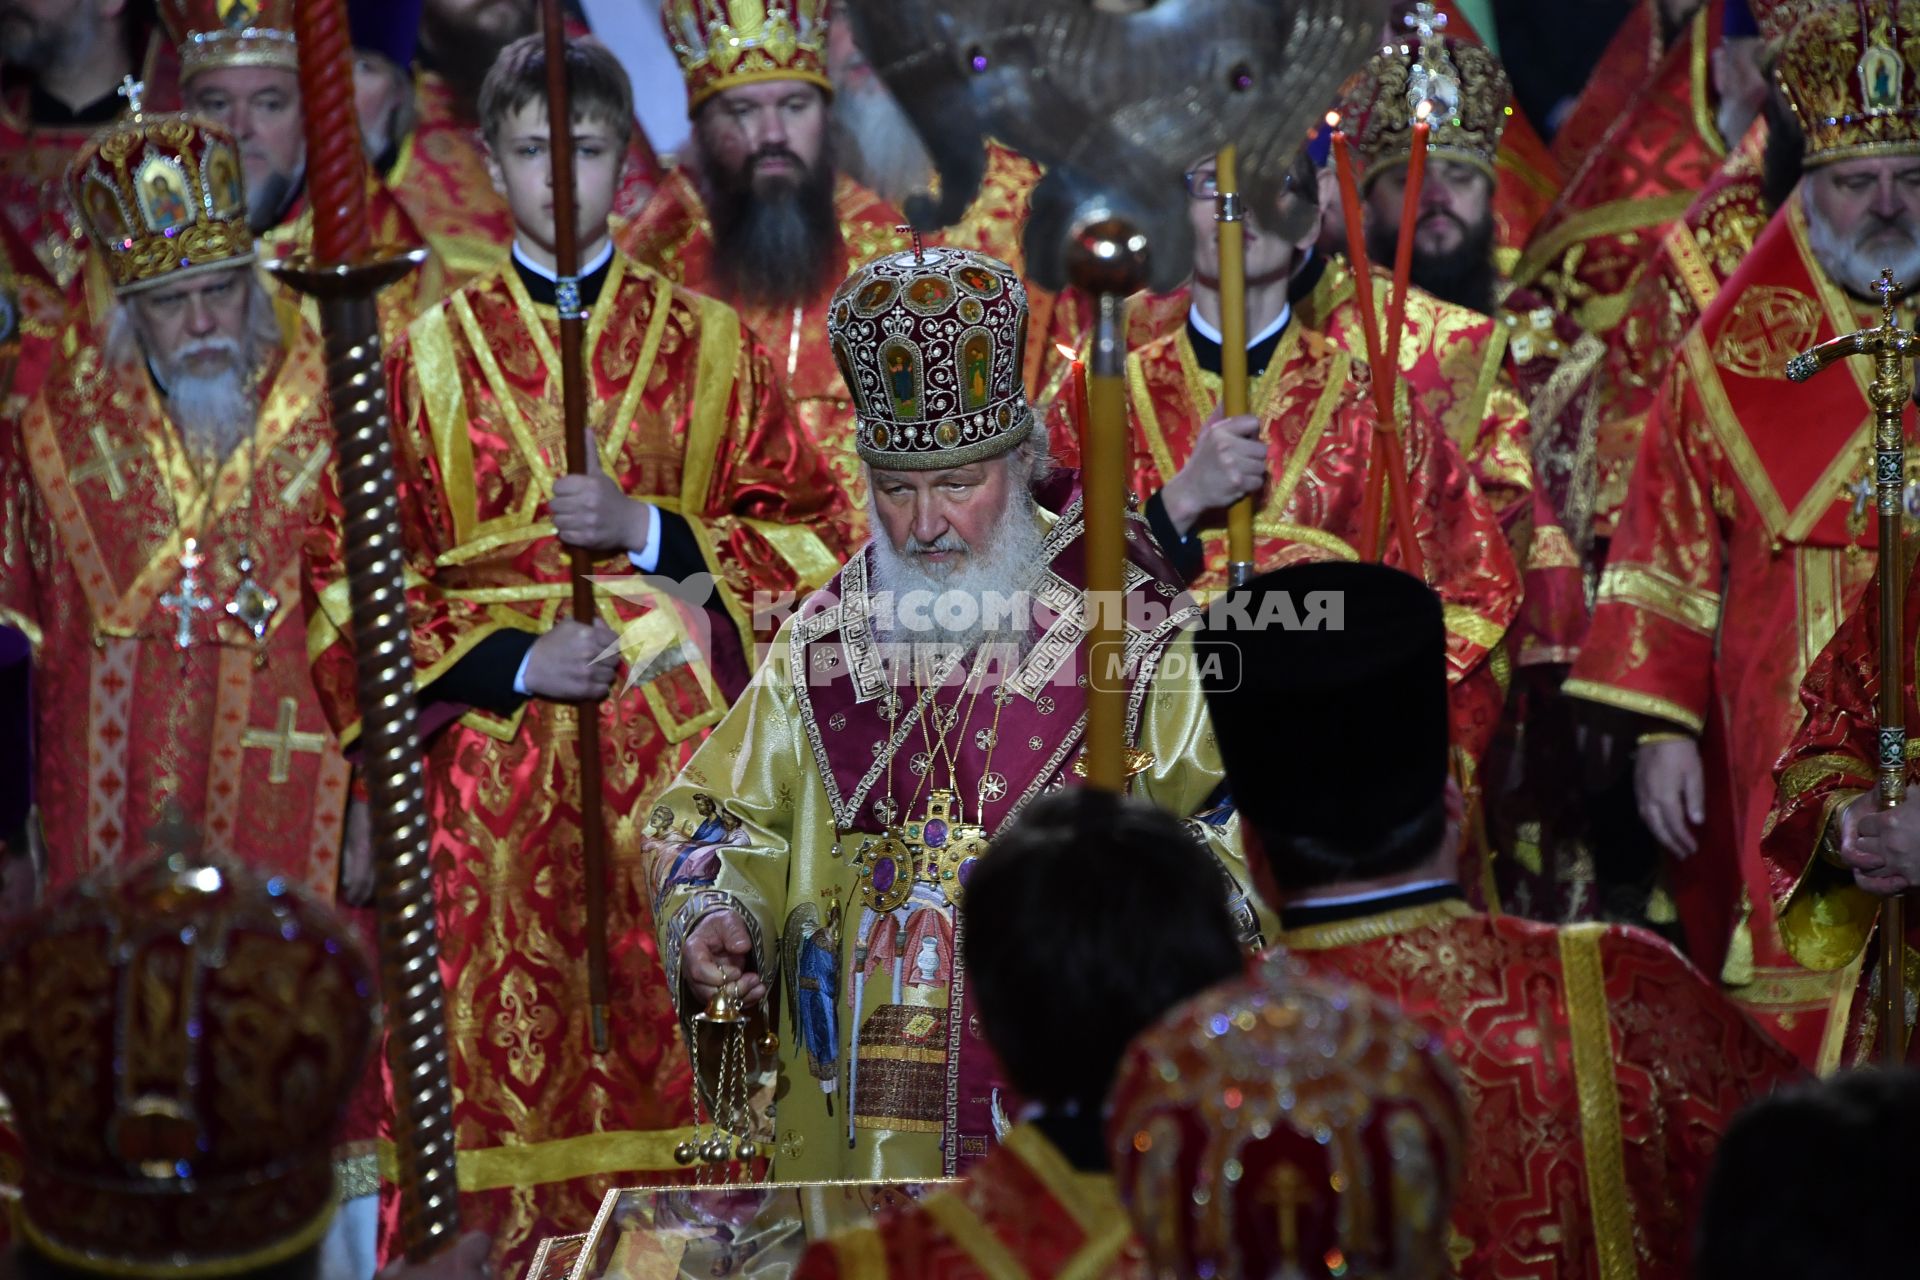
336, 162
1075, 389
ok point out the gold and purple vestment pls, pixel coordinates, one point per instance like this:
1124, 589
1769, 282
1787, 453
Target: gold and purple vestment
837, 809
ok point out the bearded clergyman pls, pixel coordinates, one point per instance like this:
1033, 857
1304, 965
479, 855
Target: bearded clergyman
153, 503
818, 844
1747, 533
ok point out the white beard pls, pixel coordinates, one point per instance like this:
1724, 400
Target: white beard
214, 411
884, 152
984, 599
1854, 268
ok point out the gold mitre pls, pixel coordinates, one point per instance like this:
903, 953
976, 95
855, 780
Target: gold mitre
1846, 71
723, 43
1458, 87
162, 197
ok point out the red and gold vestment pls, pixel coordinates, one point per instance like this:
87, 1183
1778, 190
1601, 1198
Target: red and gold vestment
1023, 1203
1828, 923
1742, 546
687, 415
100, 493
1659, 147
1461, 370
1319, 423
673, 235
1677, 283
1600, 1071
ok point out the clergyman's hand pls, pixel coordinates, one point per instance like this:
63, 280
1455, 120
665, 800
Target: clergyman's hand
356, 855
1670, 787
565, 665
591, 511
1880, 847
718, 952
1229, 463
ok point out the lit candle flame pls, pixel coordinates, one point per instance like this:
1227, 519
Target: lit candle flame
1066, 352
1423, 109
1333, 119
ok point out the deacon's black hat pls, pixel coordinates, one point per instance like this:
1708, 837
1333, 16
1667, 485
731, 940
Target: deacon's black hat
1332, 715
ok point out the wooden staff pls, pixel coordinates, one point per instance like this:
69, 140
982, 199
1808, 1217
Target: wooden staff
1107, 259
1891, 347
573, 399
1387, 464
1234, 391
343, 274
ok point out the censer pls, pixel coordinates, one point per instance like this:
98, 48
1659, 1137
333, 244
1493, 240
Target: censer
726, 1134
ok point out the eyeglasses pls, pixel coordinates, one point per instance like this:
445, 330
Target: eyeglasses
1204, 184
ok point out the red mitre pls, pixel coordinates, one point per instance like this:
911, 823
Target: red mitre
1286, 1125
178, 1045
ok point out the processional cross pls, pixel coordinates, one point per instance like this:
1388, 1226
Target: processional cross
1892, 387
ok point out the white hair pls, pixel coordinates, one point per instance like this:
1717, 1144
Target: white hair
984, 598
213, 411
1850, 265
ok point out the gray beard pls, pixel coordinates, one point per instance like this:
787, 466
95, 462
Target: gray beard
1853, 268
883, 150
213, 411
985, 599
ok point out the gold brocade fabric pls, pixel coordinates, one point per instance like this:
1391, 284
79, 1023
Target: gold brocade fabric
883, 1071
98, 492
1022, 1211
1319, 428
686, 414
1600, 1071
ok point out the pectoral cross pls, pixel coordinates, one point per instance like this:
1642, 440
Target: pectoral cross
106, 461
187, 599
283, 740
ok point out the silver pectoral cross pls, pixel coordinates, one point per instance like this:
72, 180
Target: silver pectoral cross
187, 599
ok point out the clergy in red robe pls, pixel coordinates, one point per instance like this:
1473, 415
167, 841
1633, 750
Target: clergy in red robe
760, 181
700, 478
1660, 143
1303, 454
1745, 538
1062, 980
155, 498
1600, 1069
